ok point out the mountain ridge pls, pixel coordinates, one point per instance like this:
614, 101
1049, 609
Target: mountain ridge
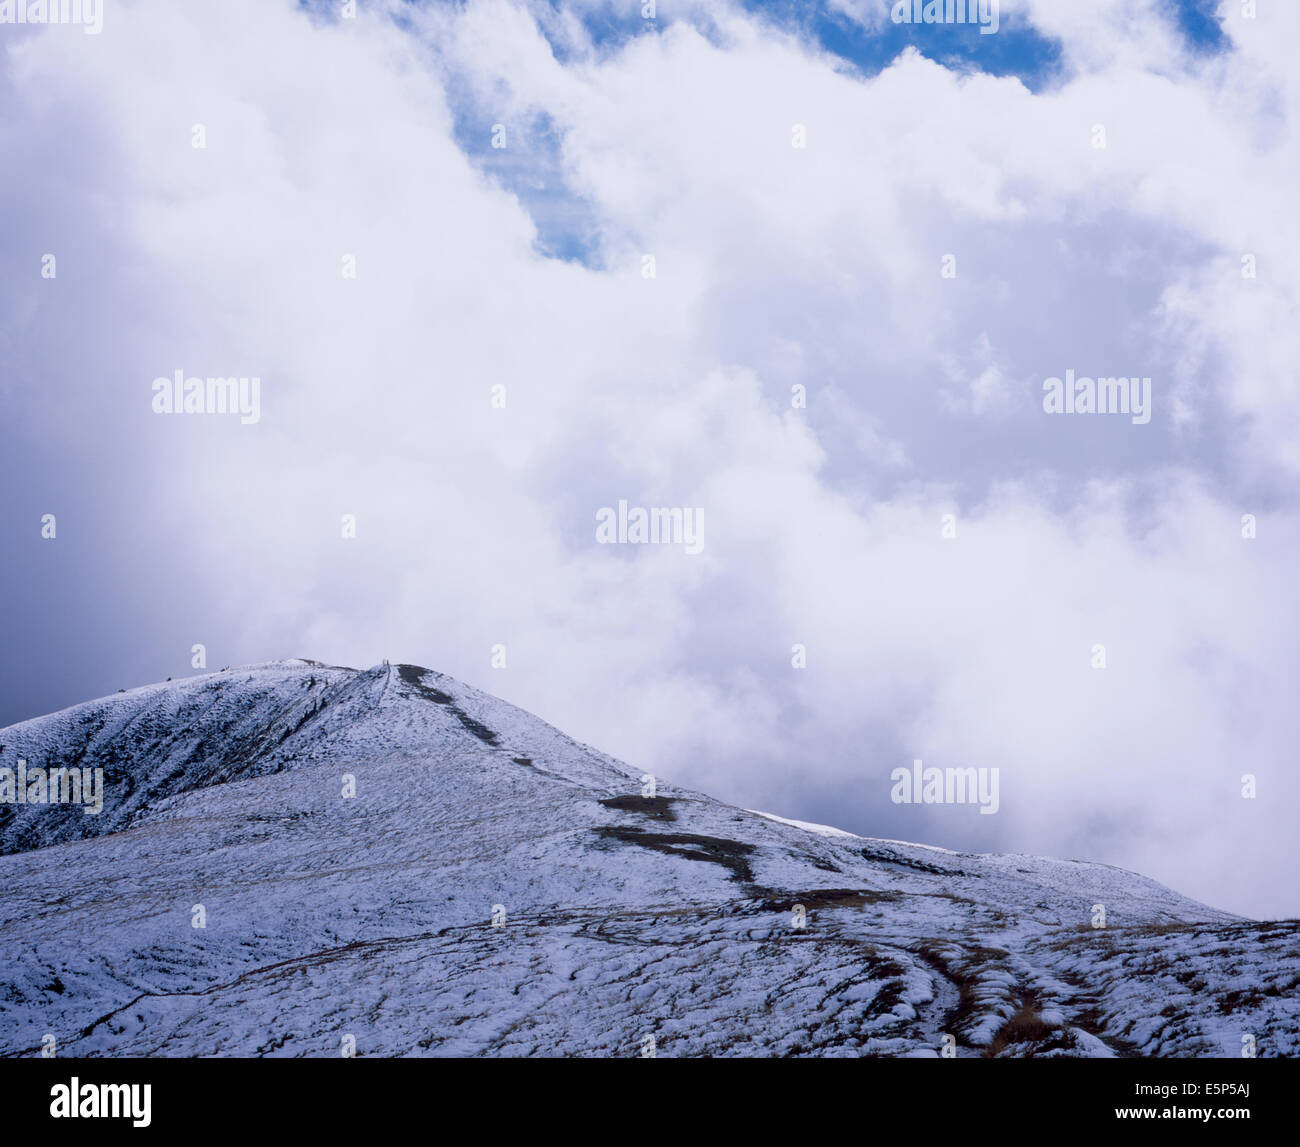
624, 917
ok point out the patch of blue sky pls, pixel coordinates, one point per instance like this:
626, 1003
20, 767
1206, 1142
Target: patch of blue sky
1199, 26
871, 45
530, 165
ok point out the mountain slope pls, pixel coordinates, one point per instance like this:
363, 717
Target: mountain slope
370, 916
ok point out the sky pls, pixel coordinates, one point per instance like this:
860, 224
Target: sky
798, 269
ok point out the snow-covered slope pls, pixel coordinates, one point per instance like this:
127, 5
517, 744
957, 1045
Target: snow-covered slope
621, 918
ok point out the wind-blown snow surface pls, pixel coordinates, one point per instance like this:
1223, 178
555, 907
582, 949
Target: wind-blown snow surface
370, 916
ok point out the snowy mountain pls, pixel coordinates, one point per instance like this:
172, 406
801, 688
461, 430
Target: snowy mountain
495, 888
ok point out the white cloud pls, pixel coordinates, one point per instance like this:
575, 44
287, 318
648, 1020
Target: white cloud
775, 266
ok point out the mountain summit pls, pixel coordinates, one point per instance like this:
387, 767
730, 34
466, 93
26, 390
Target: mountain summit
295, 859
